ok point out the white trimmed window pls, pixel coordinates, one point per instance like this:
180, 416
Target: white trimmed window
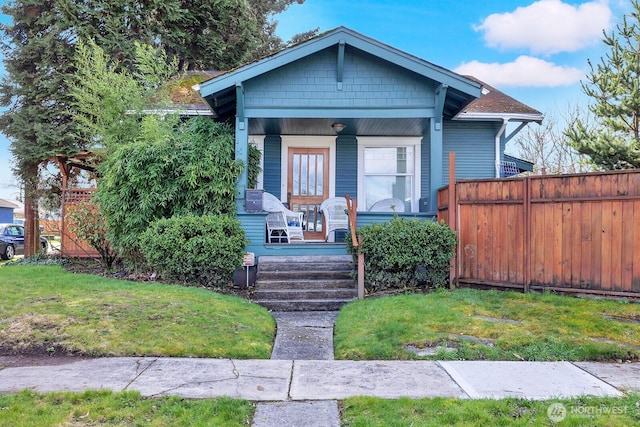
388, 168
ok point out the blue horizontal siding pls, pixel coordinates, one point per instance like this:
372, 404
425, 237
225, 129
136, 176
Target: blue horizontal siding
473, 143
253, 225
347, 166
272, 164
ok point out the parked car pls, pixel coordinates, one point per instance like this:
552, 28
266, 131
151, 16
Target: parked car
12, 241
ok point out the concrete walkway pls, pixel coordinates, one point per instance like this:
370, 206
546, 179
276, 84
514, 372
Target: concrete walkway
304, 335
301, 336
308, 380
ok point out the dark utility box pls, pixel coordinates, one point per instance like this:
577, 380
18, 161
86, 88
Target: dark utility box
253, 201
240, 277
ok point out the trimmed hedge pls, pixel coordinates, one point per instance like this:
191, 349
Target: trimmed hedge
201, 249
405, 254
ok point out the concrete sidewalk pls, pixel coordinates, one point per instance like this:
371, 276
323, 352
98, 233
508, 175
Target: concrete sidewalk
313, 380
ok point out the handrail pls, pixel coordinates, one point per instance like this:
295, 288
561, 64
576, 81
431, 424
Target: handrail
352, 212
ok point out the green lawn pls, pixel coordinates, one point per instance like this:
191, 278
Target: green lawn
488, 325
585, 411
46, 309
105, 408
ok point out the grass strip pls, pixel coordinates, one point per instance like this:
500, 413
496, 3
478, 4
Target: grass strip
466, 324
106, 408
584, 411
48, 310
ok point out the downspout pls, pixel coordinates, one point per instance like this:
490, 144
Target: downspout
505, 122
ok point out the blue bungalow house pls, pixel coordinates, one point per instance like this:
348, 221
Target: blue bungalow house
342, 113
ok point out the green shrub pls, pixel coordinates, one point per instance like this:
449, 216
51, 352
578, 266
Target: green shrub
404, 253
187, 171
204, 250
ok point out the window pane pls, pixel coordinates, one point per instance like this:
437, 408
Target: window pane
384, 187
388, 160
320, 174
296, 174
304, 162
312, 175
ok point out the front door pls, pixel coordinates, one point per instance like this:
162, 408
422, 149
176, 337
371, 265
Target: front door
308, 186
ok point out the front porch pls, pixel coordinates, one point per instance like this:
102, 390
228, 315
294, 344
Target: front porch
254, 225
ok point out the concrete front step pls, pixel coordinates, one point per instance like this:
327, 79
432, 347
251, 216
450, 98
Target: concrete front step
292, 259
307, 266
304, 304
305, 274
308, 294
306, 283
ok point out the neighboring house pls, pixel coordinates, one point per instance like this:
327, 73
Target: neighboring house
6, 211
343, 113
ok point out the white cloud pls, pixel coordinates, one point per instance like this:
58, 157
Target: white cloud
524, 71
548, 26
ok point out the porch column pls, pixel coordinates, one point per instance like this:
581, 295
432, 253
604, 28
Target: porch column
242, 147
242, 141
435, 170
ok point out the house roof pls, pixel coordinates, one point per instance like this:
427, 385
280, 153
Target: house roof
7, 204
220, 91
497, 104
185, 101
466, 97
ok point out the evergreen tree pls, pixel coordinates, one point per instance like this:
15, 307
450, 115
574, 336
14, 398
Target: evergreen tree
613, 140
201, 34
37, 50
38, 47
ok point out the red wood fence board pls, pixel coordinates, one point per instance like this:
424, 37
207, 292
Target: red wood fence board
574, 232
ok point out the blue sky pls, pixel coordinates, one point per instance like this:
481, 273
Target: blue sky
535, 51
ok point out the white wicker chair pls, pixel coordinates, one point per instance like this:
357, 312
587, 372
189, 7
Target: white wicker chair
334, 211
388, 205
282, 223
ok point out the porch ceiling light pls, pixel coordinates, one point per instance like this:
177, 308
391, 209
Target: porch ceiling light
338, 127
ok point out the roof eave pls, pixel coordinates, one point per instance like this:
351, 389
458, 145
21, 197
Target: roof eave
513, 117
178, 111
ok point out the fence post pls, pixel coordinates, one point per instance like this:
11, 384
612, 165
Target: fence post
527, 233
453, 219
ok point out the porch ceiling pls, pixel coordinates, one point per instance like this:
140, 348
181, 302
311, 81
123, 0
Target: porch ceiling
322, 126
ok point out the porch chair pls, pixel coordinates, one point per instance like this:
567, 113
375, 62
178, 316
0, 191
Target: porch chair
388, 205
334, 212
282, 223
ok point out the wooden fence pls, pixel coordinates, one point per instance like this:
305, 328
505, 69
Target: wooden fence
570, 233
70, 245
